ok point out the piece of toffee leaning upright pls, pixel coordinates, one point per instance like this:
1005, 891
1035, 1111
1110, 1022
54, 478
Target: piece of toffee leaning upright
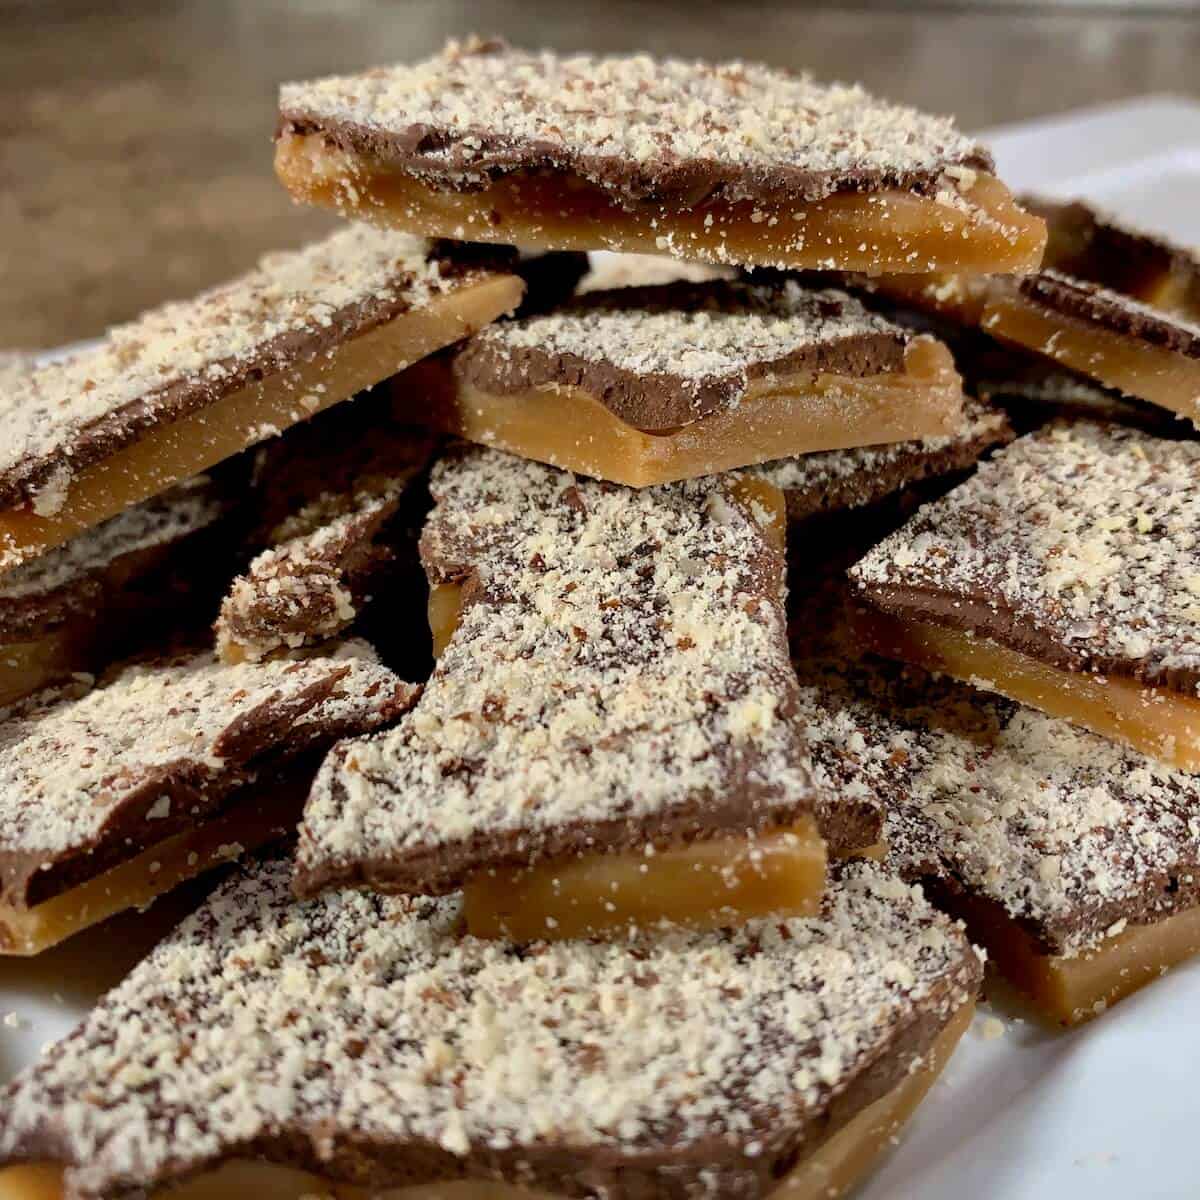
1064, 574
609, 738
729, 163
190, 384
649, 385
276, 1048
111, 798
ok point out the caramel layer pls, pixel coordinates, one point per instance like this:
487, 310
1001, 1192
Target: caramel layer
134, 884
1070, 990
26, 667
1151, 373
982, 231
958, 298
218, 431
706, 885
570, 428
832, 1170
1155, 720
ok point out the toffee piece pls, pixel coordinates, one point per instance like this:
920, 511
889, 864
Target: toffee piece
651, 385
330, 493
1065, 574
839, 480
732, 163
681, 1065
1073, 860
608, 738
111, 589
110, 798
192, 383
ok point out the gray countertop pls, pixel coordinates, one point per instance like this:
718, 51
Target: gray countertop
135, 156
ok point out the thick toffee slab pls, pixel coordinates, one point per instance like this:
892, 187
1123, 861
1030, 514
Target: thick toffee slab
732, 162
836, 480
652, 385
329, 491
1074, 548
191, 383
679, 1065
617, 676
90, 782
662, 357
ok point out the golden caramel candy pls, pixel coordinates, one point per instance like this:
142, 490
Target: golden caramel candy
569, 428
192, 444
706, 885
1070, 989
882, 231
1155, 720
1117, 360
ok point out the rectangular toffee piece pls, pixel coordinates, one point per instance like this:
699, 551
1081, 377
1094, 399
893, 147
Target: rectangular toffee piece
609, 738
111, 798
111, 589
650, 385
835, 481
192, 383
1065, 574
1118, 305
329, 493
1074, 860
731, 163
367, 1039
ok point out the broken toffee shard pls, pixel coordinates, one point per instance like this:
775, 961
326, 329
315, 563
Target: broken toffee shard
192, 383
1065, 574
367, 1040
651, 385
328, 495
110, 798
1073, 860
730, 163
609, 736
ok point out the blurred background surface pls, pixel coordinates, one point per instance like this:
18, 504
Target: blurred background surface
135, 152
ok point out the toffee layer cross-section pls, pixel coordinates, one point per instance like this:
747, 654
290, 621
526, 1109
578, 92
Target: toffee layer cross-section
609, 736
110, 798
650, 385
1065, 574
729, 163
366, 1039
111, 590
1074, 860
193, 383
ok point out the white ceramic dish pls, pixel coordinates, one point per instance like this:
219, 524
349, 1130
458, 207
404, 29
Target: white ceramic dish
1105, 1112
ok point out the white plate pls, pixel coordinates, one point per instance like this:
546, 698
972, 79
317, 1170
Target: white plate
1104, 1112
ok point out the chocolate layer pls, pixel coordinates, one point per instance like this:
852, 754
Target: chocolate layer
680, 1066
662, 357
87, 782
618, 677
481, 110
